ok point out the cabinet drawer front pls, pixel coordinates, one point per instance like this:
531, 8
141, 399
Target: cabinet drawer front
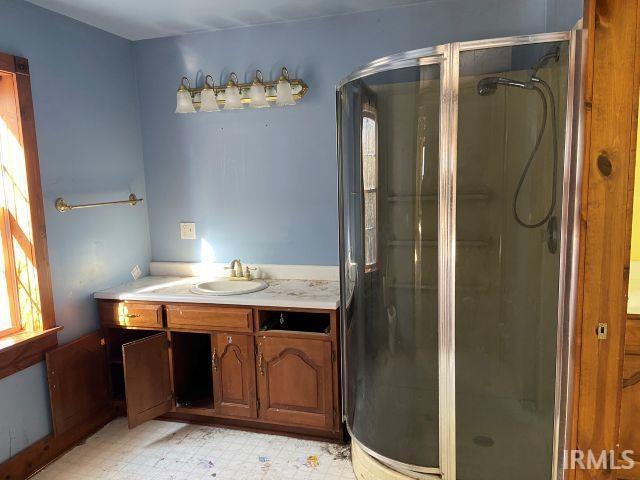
127, 314
210, 318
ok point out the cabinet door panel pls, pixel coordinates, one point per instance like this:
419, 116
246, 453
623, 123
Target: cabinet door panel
234, 375
146, 378
295, 382
78, 382
630, 420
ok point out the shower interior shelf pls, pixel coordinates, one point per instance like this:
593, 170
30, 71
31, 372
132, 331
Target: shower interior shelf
432, 197
434, 243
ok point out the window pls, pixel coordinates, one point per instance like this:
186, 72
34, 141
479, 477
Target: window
26, 305
369, 150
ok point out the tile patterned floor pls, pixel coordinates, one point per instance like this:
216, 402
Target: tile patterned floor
161, 450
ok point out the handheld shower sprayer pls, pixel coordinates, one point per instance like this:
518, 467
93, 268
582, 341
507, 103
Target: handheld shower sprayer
489, 85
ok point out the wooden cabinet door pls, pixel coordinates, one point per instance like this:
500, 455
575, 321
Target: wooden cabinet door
234, 374
146, 378
629, 417
78, 382
295, 383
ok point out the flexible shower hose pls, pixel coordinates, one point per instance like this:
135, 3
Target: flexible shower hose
554, 175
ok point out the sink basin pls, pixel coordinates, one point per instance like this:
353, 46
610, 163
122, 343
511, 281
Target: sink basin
228, 287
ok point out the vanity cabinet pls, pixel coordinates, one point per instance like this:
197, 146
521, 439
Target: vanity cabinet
257, 367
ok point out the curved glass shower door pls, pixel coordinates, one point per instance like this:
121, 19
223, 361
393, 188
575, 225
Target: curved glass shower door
458, 206
390, 127
510, 165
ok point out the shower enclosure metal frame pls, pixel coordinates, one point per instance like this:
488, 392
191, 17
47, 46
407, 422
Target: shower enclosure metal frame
447, 56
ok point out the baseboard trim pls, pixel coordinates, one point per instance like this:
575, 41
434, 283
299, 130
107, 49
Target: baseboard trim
34, 458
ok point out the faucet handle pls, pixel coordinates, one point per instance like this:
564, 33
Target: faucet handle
247, 272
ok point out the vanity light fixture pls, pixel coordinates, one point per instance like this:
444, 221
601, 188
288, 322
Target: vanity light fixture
284, 93
258, 92
208, 97
184, 103
235, 95
232, 97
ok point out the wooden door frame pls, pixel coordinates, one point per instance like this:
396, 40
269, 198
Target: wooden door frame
611, 115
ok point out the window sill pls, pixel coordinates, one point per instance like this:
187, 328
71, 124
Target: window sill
23, 349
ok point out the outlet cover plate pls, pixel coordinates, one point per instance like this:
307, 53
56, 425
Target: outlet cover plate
136, 272
187, 231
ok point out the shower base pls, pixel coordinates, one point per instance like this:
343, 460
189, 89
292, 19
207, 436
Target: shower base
368, 468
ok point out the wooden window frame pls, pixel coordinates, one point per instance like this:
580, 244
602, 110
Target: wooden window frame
19, 348
369, 111
5, 234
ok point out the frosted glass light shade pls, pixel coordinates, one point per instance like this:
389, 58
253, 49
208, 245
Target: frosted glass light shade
258, 96
184, 104
284, 95
208, 101
232, 98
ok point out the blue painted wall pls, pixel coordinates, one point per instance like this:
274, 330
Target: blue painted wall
261, 184
89, 141
563, 14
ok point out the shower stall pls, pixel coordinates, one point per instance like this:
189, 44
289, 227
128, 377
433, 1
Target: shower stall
459, 169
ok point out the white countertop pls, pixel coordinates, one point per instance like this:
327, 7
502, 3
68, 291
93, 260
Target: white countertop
321, 294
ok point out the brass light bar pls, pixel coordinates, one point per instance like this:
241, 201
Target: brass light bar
296, 87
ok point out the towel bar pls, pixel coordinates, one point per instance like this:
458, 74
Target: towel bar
63, 206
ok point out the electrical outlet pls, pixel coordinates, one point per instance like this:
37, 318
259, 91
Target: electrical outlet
136, 272
187, 231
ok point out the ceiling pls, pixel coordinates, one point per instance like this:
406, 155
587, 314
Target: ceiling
142, 19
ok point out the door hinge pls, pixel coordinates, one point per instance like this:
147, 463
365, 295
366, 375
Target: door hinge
258, 404
333, 356
602, 331
167, 343
335, 414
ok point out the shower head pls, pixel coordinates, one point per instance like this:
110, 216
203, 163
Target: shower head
489, 85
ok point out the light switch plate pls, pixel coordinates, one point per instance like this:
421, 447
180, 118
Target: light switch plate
187, 231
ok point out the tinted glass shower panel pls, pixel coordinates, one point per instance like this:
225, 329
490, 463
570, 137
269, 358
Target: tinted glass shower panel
389, 144
511, 117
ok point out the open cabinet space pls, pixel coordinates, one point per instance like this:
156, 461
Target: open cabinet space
115, 338
192, 370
